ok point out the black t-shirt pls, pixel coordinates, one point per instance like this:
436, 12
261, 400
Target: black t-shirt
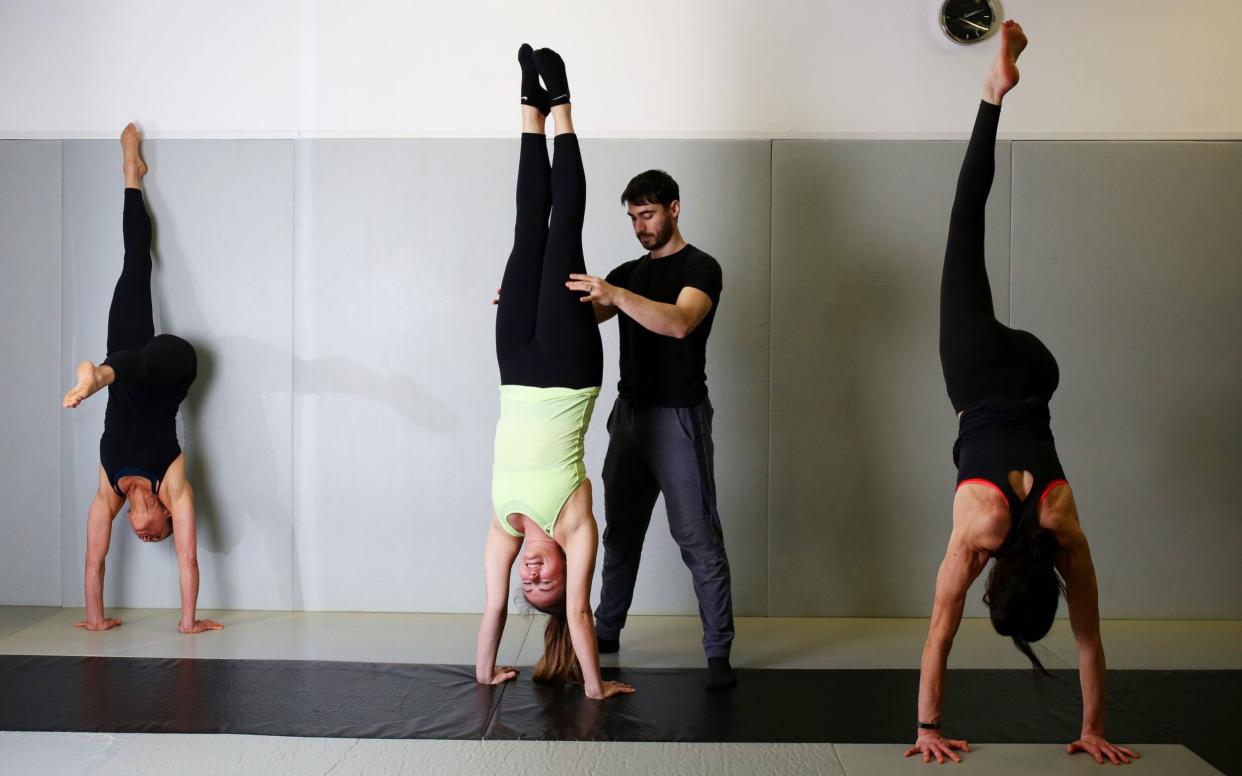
656, 369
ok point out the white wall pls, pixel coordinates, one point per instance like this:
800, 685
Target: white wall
712, 68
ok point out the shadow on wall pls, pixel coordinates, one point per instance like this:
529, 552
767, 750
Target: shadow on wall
230, 433
211, 423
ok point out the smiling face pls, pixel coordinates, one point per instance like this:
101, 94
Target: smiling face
542, 570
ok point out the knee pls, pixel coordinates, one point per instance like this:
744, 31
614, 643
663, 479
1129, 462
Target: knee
702, 541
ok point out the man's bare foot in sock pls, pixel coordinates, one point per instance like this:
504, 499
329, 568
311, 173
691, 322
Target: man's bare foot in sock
90, 379
135, 168
1004, 73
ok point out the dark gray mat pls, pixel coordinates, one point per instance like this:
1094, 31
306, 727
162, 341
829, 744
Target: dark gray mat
385, 700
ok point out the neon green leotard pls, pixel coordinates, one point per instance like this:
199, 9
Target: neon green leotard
538, 460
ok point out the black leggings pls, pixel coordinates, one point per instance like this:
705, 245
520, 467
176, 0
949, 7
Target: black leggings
136, 355
545, 336
981, 357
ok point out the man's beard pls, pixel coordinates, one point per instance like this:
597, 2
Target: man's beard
659, 239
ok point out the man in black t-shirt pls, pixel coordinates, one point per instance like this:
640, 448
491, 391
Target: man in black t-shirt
660, 430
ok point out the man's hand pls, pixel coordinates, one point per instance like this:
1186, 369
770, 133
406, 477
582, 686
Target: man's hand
595, 289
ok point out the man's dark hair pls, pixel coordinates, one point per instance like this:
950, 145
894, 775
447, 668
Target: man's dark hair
653, 187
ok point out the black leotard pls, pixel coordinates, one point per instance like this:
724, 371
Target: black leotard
153, 373
999, 379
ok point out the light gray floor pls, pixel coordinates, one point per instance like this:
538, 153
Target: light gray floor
41, 754
646, 642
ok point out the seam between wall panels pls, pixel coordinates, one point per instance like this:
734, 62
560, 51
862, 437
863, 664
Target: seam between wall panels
767, 517
60, 362
293, 368
297, 596
1012, 147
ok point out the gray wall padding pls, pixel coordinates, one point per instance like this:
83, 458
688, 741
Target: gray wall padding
1127, 262
340, 434
33, 381
862, 476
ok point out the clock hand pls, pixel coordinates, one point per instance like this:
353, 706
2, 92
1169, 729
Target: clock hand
972, 24
965, 16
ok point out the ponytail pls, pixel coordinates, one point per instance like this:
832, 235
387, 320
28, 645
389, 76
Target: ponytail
559, 663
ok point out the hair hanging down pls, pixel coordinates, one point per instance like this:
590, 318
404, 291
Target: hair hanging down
653, 187
558, 664
1022, 592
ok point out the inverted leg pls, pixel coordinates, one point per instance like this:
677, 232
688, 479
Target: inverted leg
165, 360
964, 287
565, 329
519, 290
131, 321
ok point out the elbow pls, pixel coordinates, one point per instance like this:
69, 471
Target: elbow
681, 330
94, 564
188, 561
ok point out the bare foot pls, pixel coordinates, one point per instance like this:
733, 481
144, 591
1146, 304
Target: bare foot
1004, 73
135, 168
90, 379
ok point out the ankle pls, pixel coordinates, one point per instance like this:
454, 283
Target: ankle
104, 375
533, 120
563, 116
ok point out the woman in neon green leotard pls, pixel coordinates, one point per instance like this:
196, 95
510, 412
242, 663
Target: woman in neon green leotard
551, 366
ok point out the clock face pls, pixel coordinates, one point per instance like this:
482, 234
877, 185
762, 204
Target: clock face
967, 21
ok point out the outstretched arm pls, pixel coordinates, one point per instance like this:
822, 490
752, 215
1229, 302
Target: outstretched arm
181, 496
672, 320
579, 568
104, 507
498, 555
1074, 564
961, 566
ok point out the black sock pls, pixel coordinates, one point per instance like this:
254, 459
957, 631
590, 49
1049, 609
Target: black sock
533, 94
608, 646
552, 70
720, 674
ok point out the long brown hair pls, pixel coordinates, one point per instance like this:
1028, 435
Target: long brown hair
1023, 590
559, 663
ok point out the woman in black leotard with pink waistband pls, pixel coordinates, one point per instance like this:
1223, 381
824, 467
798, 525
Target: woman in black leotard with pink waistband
1013, 503
147, 377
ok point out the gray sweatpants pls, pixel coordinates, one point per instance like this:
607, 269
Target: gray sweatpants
654, 450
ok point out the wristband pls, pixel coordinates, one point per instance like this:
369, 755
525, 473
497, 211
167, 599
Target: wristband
929, 726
